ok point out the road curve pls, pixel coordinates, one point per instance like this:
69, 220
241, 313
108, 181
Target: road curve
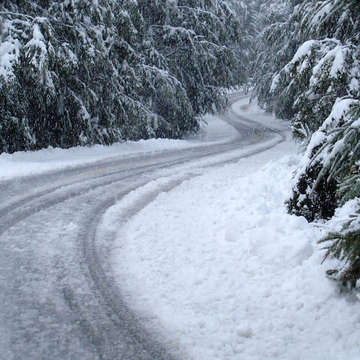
58, 298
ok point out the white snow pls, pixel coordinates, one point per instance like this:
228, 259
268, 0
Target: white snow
8, 54
336, 57
339, 110
219, 267
216, 265
275, 82
304, 50
343, 214
323, 11
25, 163
338, 65
38, 42
354, 84
254, 113
9, 51
356, 124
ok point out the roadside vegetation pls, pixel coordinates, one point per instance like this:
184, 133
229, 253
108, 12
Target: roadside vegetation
308, 71
78, 72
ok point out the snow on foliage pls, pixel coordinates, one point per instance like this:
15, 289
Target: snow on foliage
9, 49
317, 88
320, 72
111, 70
332, 144
274, 45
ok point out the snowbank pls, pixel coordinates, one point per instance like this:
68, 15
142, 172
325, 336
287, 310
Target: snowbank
24, 163
220, 268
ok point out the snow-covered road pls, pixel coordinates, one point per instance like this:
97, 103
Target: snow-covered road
59, 297
166, 249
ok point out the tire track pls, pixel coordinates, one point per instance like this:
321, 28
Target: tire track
101, 314
117, 317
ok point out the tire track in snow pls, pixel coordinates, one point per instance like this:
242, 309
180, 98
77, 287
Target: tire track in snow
117, 317
105, 320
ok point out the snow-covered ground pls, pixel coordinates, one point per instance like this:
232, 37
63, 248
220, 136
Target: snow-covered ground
218, 266
25, 163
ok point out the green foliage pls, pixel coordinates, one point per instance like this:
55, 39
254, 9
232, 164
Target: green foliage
331, 23
331, 175
197, 43
307, 87
316, 85
344, 245
274, 43
14, 127
340, 152
313, 202
330, 179
110, 70
328, 19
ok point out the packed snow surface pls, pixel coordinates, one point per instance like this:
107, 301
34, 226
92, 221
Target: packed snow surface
219, 267
215, 264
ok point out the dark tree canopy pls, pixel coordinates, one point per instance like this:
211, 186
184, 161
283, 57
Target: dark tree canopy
81, 72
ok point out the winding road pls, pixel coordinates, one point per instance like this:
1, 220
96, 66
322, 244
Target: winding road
58, 298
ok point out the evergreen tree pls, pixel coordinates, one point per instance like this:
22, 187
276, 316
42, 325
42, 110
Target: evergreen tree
197, 41
108, 70
274, 43
318, 90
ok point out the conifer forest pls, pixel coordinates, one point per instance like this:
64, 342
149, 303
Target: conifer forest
85, 72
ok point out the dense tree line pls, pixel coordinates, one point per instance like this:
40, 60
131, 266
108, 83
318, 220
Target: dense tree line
75, 72
311, 76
